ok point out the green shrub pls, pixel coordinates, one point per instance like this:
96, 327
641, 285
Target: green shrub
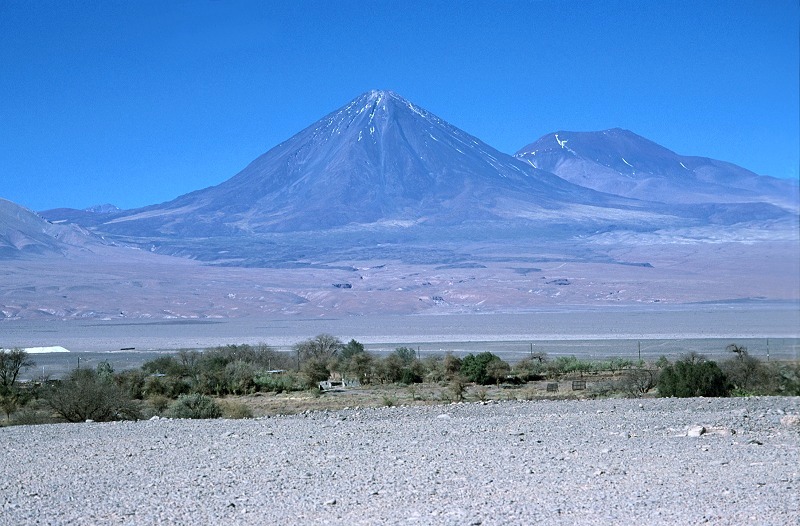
693, 376
194, 406
360, 366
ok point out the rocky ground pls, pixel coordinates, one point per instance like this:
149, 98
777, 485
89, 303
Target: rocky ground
650, 461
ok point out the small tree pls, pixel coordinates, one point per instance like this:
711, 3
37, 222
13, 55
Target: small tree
483, 368
452, 365
746, 372
11, 363
639, 381
618, 364
528, 369
315, 370
167, 365
349, 352
86, 395
323, 346
405, 366
240, 377
392, 368
458, 386
433, 367
360, 366
497, 370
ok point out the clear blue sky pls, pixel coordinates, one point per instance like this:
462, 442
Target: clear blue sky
137, 102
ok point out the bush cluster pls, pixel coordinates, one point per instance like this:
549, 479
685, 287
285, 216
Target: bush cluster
693, 376
194, 406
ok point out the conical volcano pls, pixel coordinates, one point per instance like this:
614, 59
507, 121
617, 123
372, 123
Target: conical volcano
379, 159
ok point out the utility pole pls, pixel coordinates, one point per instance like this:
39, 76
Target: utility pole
767, 349
640, 351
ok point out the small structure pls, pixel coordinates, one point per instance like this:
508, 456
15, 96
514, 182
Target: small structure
332, 384
578, 385
552, 387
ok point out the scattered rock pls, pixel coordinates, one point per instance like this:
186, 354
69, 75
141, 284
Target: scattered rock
724, 431
695, 431
790, 420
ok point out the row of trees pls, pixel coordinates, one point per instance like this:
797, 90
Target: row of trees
181, 385
243, 369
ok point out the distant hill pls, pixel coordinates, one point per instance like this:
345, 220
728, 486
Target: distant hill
622, 163
88, 217
24, 233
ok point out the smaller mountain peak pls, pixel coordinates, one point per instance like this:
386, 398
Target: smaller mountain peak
105, 208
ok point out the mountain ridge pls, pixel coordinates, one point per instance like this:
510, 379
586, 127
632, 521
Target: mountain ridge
24, 233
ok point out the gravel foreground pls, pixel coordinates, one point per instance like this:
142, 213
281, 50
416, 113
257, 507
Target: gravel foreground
554, 462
